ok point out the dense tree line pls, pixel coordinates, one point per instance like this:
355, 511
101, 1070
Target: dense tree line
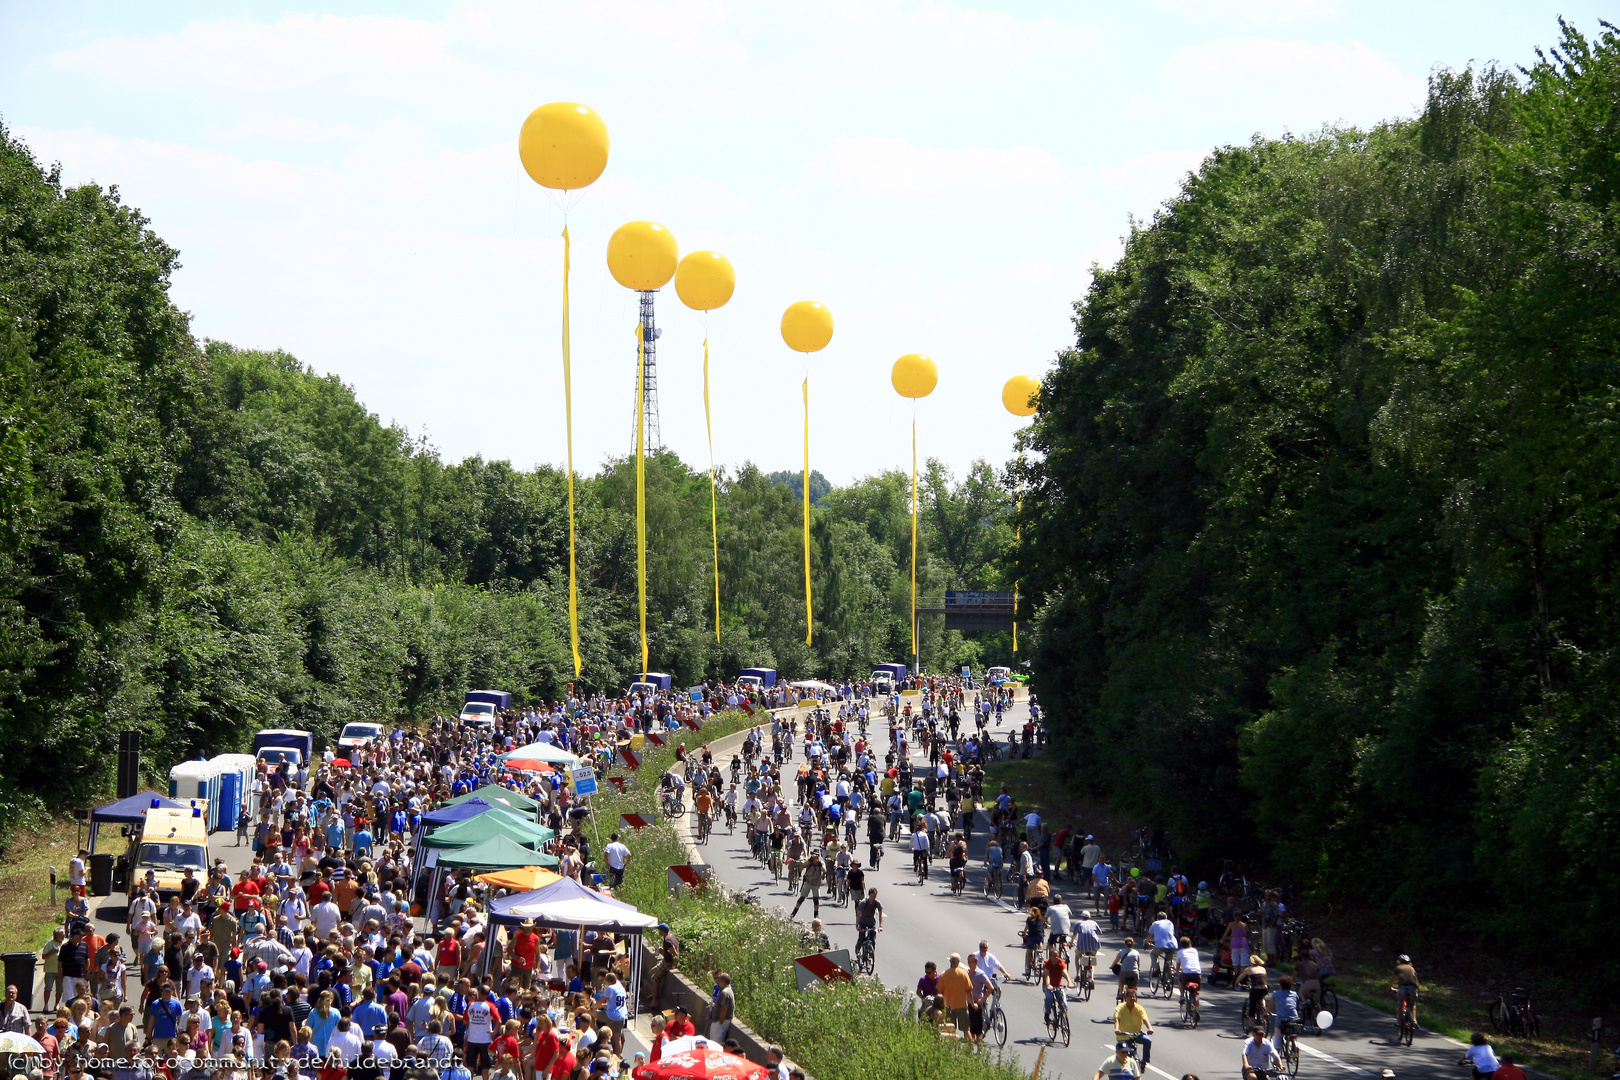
197, 540
1324, 530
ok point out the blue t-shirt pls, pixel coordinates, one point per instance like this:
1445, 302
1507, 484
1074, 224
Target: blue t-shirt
1285, 1004
165, 1017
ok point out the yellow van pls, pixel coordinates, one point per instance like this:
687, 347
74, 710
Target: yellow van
171, 842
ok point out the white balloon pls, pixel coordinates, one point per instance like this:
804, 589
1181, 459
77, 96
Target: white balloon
1324, 1019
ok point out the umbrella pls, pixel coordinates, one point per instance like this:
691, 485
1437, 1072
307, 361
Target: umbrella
528, 765
520, 879
700, 1061
342, 763
15, 1042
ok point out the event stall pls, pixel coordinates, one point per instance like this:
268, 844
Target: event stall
568, 905
492, 853
130, 811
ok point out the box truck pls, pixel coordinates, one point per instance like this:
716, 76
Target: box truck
287, 748
756, 678
481, 707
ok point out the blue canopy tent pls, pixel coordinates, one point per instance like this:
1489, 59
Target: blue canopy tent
130, 811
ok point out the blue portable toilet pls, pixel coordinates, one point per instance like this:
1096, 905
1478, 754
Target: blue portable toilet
235, 786
198, 780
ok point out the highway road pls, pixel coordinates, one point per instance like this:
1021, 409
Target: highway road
926, 923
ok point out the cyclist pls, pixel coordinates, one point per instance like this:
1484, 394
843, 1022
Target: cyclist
920, 847
1034, 937
1308, 980
1054, 977
1163, 932
856, 880
988, 962
841, 863
1131, 1024
1087, 943
1059, 920
1121, 1066
874, 836
704, 802
1259, 1055
1406, 985
1283, 1006
1187, 962
1255, 978
673, 786
992, 858
958, 859
868, 918
1128, 966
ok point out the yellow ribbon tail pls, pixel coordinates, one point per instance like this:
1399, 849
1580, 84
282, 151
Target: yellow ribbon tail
641, 486
568, 413
1018, 547
809, 618
714, 513
914, 654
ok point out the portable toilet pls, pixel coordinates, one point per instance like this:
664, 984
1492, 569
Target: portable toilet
235, 786
198, 780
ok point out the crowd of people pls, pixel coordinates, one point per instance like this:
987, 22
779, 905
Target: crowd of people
317, 961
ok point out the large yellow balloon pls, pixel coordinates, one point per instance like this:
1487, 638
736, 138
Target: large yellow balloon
914, 375
807, 326
1021, 395
704, 280
642, 255
564, 145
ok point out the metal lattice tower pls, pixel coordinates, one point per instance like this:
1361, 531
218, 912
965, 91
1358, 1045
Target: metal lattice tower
649, 336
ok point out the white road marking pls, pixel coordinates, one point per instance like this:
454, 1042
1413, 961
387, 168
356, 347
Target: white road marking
1311, 1050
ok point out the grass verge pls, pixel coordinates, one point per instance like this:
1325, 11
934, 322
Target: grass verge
834, 1031
27, 915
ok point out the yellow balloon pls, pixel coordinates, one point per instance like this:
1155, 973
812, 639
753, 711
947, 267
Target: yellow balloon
807, 326
914, 375
1021, 395
642, 255
705, 280
564, 145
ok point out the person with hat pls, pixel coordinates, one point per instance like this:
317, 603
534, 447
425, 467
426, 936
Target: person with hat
1119, 1065
525, 952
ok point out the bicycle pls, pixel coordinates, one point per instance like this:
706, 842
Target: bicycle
995, 1021
703, 828
673, 805
1189, 1005
1326, 1001
1512, 1014
1086, 983
776, 864
958, 880
1164, 981
1405, 1021
866, 950
1057, 1017
1288, 1049
921, 866
993, 884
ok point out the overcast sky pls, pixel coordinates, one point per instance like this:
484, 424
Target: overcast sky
344, 184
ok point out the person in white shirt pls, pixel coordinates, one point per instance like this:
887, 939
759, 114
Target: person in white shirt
1480, 1055
345, 1043
1059, 920
1163, 932
1192, 968
198, 973
988, 962
618, 856
1258, 1055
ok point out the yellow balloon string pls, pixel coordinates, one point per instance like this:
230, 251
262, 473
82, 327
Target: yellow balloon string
1018, 545
714, 513
641, 485
568, 412
914, 653
809, 620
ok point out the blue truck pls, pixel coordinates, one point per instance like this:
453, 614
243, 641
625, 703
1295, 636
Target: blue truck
756, 678
284, 747
894, 674
648, 682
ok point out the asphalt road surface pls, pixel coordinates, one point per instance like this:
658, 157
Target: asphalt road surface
924, 923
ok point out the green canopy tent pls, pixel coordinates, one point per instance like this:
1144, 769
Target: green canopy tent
493, 853
496, 794
485, 826
496, 853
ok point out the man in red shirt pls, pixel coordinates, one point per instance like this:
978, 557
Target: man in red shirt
448, 958
680, 1025
525, 948
242, 890
1507, 1070
319, 890
547, 1047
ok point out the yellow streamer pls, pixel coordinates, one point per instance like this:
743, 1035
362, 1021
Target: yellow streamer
914, 653
809, 621
1018, 545
714, 513
568, 412
641, 485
